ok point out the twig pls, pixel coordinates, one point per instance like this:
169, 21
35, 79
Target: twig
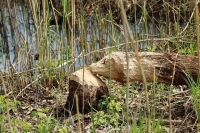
27, 86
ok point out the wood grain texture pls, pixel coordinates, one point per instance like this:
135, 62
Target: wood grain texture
169, 68
90, 88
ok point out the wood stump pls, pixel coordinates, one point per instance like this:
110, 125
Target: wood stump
169, 68
89, 89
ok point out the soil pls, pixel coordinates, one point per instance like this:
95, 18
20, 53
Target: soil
181, 104
183, 116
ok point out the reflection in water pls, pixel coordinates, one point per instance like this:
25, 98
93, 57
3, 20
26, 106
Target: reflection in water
20, 43
17, 33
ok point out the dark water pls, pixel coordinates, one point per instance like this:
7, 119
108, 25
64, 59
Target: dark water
18, 40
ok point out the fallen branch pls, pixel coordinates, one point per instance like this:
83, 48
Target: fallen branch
156, 65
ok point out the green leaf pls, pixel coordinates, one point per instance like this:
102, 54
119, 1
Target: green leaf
33, 113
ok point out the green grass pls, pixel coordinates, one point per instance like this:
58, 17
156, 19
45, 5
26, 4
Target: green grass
41, 88
194, 86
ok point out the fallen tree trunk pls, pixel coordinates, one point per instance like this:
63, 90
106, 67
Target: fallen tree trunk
166, 68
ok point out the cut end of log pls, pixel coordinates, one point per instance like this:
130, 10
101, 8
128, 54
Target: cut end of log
107, 67
168, 68
114, 66
87, 87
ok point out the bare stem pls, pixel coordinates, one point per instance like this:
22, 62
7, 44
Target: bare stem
125, 22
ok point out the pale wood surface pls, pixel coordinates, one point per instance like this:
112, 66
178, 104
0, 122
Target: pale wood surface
88, 87
156, 65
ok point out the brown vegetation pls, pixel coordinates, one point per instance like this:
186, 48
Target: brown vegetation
40, 87
170, 11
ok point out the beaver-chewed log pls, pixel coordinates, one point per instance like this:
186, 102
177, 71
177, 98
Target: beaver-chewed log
169, 68
91, 87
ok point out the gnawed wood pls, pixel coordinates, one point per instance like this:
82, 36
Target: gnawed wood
94, 90
169, 68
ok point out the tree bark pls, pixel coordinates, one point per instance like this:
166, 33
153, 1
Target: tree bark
89, 88
169, 68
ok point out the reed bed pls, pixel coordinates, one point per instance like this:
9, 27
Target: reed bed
43, 41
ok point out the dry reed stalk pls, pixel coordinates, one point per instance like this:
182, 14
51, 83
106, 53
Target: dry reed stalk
126, 24
3, 83
77, 111
197, 30
198, 45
